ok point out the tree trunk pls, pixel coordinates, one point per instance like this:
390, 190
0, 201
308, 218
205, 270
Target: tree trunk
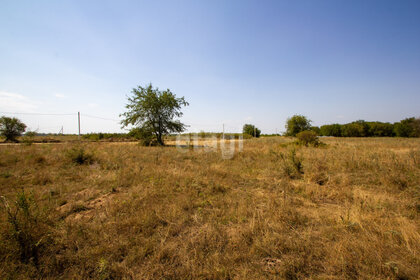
159, 139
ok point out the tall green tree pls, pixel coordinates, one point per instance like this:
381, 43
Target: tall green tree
11, 128
250, 129
409, 127
153, 110
296, 124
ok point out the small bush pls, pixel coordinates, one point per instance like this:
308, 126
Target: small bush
292, 165
308, 138
318, 173
145, 135
5, 174
27, 141
80, 156
40, 159
29, 137
148, 142
27, 232
247, 136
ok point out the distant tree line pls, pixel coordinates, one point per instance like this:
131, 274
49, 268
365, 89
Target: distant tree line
409, 127
106, 136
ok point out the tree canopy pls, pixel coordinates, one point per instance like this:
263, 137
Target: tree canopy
154, 111
11, 128
251, 130
296, 124
409, 127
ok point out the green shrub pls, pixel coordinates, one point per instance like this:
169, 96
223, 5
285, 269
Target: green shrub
145, 136
79, 156
149, 142
308, 138
292, 165
11, 128
28, 138
27, 233
247, 136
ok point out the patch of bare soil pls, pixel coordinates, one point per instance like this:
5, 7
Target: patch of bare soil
82, 209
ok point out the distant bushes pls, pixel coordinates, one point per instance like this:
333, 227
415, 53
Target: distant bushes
105, 136
331, 130
219, 135
409, 127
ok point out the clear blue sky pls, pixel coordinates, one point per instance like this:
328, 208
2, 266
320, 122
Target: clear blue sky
236, 62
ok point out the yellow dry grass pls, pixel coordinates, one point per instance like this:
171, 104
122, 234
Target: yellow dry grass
351, 212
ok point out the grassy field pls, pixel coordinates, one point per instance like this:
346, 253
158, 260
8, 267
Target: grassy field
347, 210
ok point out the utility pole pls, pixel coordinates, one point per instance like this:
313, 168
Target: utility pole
223, 135
78, 117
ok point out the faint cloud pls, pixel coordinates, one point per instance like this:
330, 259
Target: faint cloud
16, 103
340, 117
93, 105
248, 118
59, 95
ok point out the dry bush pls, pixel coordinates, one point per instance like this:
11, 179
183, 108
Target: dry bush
308, 138
291, 164
26, 233
79, 155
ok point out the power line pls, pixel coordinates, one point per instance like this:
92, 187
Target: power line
41, 114
57, 114
96, 117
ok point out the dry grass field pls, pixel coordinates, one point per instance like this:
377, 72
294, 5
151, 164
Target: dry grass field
347, 210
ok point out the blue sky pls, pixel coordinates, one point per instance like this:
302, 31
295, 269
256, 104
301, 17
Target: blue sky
235, 62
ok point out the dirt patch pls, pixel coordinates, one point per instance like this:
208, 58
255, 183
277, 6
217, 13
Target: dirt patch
84, 210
